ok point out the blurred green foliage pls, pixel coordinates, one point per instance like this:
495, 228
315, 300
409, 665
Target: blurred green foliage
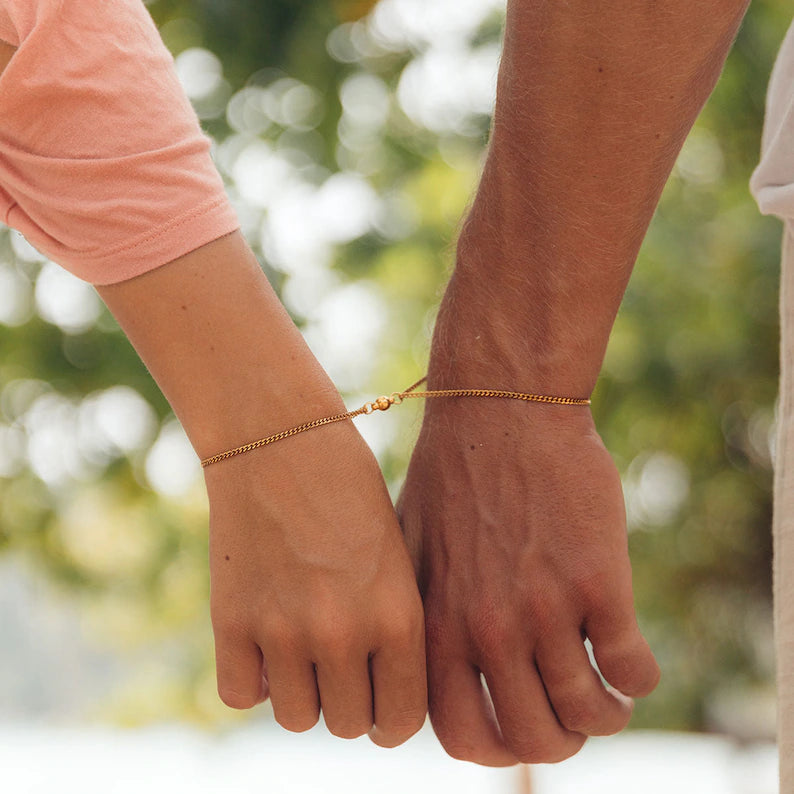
686, 401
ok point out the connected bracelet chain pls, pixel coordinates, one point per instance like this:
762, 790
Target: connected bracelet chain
384, 403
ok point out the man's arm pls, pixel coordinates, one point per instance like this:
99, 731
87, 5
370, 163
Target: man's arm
313, 596
520, 543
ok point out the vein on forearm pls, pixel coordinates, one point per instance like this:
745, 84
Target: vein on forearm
594, 101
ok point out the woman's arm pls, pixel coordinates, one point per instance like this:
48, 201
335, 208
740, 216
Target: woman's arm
103, 166
313, 594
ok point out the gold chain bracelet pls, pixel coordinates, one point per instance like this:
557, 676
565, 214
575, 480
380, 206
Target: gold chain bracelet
384, 403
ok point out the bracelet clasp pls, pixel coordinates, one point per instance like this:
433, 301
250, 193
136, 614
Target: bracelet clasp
382, 403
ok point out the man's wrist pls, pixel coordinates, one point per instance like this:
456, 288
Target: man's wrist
498, 327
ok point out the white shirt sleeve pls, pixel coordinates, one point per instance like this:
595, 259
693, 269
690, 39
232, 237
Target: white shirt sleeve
772, 182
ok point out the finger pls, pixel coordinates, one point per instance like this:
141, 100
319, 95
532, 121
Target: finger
621, 652
399, 689
462, 714
293, 693
346, 696
239, 669
529, 726
579, 698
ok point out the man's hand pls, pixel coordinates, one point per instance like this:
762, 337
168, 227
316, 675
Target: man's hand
514, 513
314, 601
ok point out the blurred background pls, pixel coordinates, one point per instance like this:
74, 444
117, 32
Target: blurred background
350, 134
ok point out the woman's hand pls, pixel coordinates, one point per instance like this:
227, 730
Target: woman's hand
314, 600
313, 594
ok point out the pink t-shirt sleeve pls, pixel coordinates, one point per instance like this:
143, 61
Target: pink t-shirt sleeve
103, 165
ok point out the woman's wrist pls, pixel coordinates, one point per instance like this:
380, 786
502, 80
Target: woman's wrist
300, 397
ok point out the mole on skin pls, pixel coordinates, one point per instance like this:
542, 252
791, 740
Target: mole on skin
227, 556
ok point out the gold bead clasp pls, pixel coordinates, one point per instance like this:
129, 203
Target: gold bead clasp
383, 403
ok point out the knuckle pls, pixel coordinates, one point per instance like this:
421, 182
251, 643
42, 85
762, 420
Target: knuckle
622, 665
457, 742
545, 751
387, 740
629, 676
279, 632
618, 664
403, 626
529, 751
335, 637
296, 722
237, 700
577, 712
349, 728
593, 589
400, 727
569, 748
460, 749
